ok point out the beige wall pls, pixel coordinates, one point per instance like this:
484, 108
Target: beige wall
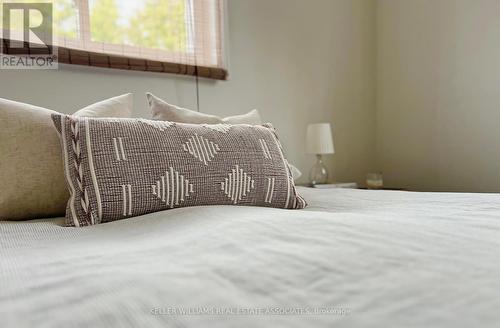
411, 86
438, 94
297, 61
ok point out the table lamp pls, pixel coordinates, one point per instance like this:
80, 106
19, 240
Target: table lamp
319, 142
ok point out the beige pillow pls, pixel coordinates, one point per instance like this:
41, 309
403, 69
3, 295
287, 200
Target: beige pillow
163, 111
32, 183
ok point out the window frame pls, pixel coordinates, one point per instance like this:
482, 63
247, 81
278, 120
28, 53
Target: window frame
84, 51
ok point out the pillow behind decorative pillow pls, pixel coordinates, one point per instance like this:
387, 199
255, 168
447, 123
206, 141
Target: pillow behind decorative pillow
163, 111
119, 168
31, 176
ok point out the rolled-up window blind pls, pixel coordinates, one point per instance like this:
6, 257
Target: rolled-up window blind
173, 36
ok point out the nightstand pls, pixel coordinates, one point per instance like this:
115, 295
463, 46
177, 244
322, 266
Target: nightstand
346, 185
388, 189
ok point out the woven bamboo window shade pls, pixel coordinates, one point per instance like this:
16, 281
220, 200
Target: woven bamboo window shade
172, 36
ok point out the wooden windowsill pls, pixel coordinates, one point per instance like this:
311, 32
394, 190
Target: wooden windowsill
88, 58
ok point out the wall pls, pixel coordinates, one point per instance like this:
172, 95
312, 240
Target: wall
416, 98
296, 61
438, 98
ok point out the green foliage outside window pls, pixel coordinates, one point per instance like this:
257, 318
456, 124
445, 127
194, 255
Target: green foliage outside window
155, 24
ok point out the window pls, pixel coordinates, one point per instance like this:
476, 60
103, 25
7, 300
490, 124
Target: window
173, 36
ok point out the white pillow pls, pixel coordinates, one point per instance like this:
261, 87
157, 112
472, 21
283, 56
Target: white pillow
296, 174
163, 111
31, 172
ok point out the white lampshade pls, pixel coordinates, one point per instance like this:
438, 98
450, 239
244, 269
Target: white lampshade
319, 139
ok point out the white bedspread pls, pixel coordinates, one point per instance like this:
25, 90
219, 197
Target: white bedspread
387, 259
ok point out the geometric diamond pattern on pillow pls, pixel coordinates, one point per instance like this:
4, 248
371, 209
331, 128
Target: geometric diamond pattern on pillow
120, 168
202, 149
172, 188
237, 184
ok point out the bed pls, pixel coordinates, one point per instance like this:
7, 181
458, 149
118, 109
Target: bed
353, 258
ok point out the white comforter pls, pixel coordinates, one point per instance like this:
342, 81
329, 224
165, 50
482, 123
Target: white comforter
378, 259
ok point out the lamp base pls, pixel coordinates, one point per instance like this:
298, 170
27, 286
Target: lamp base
319, 172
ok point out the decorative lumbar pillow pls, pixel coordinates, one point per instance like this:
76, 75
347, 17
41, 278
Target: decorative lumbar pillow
164, 111
31, 172
119, 168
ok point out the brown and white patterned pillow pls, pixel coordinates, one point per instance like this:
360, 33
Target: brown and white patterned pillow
119, 168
